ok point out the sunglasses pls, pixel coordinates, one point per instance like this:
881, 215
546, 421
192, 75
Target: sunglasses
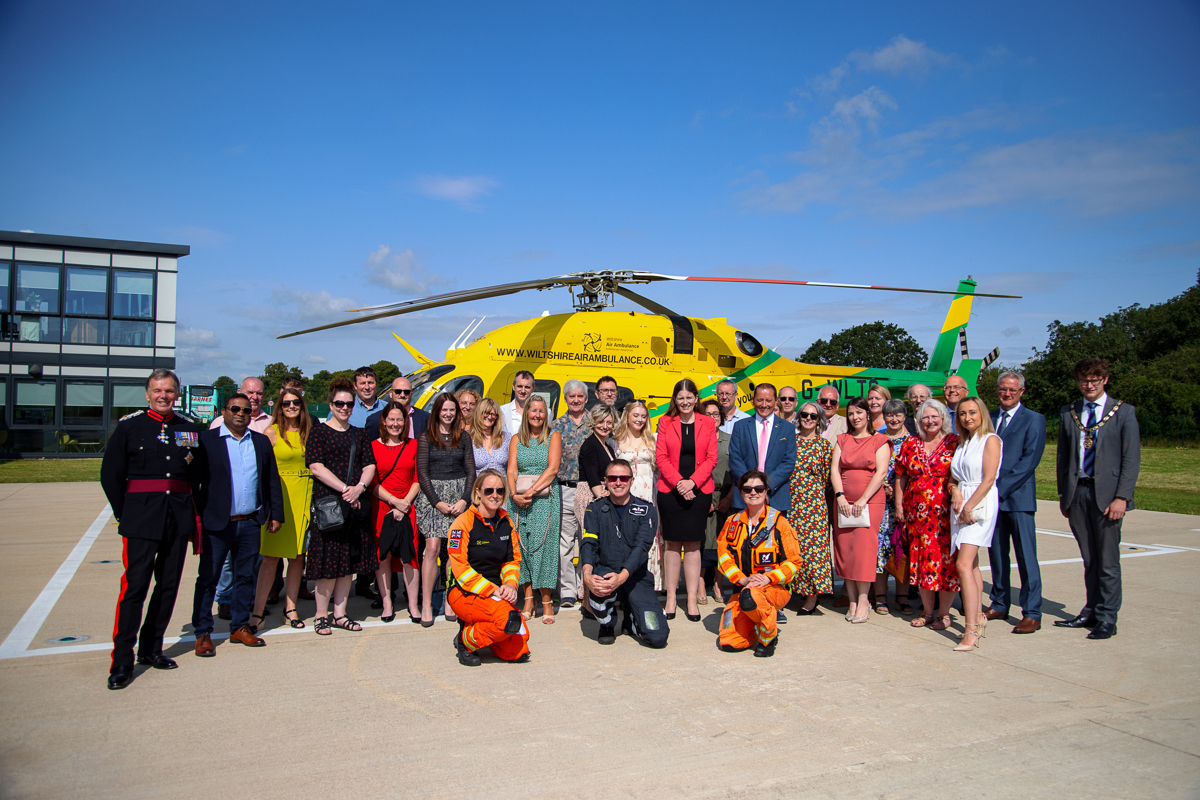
808, 415
488, 491
757, 488
290, 403
828, 402
402, 391
238, 409
618, 478
342, 403
787, 399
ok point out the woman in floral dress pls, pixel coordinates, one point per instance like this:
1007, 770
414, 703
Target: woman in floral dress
536, 451
923, 507
809, 516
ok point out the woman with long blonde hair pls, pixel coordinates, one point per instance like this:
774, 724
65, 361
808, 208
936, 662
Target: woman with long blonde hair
536, 502
489, 440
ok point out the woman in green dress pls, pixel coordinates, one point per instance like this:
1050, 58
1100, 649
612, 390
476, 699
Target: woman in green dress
533, 460
810, 515
288, 432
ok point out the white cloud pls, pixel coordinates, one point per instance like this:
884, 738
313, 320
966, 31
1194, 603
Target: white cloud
199, 354
901, 56
316, 360
399, 271
463, 190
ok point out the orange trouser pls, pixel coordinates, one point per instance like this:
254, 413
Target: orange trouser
741, 629
484, 620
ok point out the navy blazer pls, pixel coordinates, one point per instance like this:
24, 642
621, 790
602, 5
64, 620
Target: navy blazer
781, 458
420, 420
1024, 441
216, 489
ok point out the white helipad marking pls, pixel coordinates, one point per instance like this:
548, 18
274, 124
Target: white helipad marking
18, 640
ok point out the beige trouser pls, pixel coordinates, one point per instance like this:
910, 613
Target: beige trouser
569, 535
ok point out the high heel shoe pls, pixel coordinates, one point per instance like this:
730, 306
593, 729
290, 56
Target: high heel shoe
972, 630
547, 612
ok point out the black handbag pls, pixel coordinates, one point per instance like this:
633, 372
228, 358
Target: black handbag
331, 513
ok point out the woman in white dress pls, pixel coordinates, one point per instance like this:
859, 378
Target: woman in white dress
635, 444
975, 504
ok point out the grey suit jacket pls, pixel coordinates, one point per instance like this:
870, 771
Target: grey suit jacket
1118, 455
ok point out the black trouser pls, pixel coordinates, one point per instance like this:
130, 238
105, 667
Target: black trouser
144, 558
642, 610
1099, 541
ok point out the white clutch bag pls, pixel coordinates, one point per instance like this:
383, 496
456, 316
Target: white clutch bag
985, 509
863, 520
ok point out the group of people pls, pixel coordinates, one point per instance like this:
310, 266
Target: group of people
483, 511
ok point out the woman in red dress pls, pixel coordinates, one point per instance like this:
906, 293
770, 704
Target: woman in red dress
860, 465
395, 488
923, 507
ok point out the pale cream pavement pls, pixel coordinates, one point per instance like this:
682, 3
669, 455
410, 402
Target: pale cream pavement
855, 711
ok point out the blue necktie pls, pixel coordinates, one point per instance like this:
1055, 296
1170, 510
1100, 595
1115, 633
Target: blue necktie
1003, 424
1089, 453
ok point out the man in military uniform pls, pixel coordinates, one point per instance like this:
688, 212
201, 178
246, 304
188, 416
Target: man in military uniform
150, 470
617, 533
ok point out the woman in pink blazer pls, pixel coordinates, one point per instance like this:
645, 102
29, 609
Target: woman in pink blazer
686, 455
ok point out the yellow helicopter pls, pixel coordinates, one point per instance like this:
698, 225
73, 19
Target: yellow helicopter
648, 352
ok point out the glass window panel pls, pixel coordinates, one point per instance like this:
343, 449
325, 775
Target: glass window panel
81, 440
127, 398
37, 289
35, 403
131, 334
85, 331
83, 404
87, 291
37, 329
33, 441
5, 269
133, 294
3, 396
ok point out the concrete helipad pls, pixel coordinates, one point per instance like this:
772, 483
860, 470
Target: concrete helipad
875, 710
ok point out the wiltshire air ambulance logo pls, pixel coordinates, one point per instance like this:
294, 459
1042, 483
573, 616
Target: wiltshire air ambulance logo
591, 342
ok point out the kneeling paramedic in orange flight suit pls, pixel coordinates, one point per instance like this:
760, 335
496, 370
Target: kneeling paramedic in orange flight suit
758, 551
485, 565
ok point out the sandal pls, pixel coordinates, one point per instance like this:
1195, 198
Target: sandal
903, 607
321, 626
261, 617
547, 613
940, 624
922, 621
346, 624
881, 607
295, 622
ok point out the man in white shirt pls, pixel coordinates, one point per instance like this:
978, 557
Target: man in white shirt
510, 413
829, 398
727, 392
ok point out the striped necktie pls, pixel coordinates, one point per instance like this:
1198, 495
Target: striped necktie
1003, 423
1089, 453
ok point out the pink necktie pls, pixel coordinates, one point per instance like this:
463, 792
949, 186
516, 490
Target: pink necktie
762, 446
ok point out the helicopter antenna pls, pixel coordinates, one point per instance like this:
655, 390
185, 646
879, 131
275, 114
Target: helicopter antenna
454, 344
781, 344
467, 337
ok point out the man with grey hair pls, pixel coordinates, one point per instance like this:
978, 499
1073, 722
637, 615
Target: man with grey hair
917, 394
829, 398
727, 392
1023, 432
571, 428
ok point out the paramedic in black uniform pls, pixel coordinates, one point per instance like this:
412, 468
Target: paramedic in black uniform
151, 468
618, 531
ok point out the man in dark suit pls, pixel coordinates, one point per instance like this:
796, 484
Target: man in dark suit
1023, 432
402, 394
239, 493
1099, 455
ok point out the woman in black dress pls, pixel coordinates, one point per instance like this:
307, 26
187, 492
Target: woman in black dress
334, 557
686, 455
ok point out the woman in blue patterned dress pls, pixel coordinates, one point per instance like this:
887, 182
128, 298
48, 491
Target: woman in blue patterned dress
489, 440
891, 531
535, 454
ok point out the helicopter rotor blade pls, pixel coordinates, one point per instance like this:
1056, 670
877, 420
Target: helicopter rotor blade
644, 302
656, 277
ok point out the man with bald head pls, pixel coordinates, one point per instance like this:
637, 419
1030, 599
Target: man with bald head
260, 420
917, 394
955, 391
829, 398
402, 394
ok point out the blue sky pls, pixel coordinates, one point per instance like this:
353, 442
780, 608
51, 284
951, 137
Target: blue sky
318, 157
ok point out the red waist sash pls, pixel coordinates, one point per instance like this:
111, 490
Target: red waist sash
159, 485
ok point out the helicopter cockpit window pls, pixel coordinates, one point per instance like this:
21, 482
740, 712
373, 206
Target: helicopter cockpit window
464, 382
748, 344
422, 380
624, 395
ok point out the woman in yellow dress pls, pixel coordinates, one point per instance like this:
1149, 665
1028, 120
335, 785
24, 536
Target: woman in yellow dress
288, 432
